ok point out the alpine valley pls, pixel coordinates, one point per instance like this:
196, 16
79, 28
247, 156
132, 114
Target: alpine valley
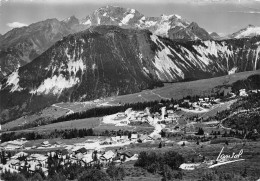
113, 51
117, 95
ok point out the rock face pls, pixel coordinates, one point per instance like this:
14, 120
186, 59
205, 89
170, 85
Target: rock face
21, 45
107, 60
172, 26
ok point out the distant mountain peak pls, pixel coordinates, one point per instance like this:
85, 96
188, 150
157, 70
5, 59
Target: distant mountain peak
164, 25
215, 36
72, 20
38, 37
248, 31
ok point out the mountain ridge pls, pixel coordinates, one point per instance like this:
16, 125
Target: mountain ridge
21, 45
105, 61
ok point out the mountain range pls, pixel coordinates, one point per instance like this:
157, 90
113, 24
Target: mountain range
103, 55
21, 45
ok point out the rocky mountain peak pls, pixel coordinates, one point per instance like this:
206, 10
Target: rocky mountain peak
72, 20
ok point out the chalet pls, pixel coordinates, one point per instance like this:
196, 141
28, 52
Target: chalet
12, 145
79, 156
206, 105
242, 92
13, 162
206, 99
124, 138
20, 154
144, 138
125, 154
254, 91
82, 150
87, 158
134, 136
176, 106
121, 115
58, 143
38, 157
108, 156
45, 144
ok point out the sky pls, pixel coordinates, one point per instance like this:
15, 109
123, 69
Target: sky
221, 16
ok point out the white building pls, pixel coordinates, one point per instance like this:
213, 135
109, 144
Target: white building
242, 92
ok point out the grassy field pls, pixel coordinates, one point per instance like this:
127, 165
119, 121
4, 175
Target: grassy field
182, 89
78, 124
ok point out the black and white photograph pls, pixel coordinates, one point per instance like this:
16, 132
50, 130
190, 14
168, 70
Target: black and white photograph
129, 90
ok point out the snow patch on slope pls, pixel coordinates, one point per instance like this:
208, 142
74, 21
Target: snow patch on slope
177, 16
55, 84
98, 20
88, 22
163, 29
126, 19
13, 80
212, 49
164, 26
232, 71
167, 68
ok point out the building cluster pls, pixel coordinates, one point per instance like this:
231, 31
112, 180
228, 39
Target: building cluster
244, 93
86, 154
14, 144
200, 104
129, 116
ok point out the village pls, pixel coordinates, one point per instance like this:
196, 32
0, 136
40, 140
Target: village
15, 155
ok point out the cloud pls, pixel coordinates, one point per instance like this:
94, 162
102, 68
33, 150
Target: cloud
245, 12
16, 25
99, 1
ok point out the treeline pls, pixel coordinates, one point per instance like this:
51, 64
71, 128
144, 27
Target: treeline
249, 102
103, 111
65, 134
244, 121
